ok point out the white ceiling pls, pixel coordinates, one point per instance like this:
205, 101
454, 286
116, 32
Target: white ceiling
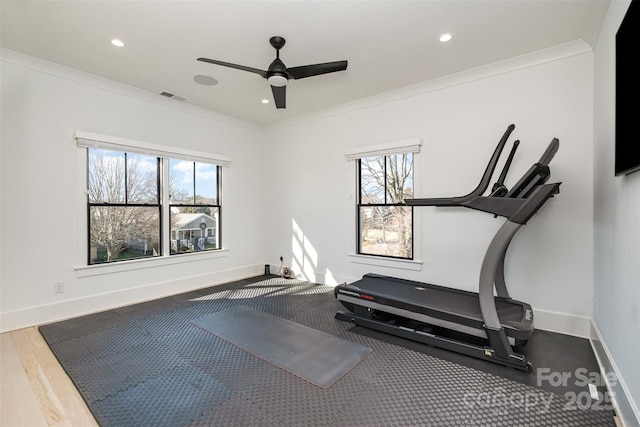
389, 44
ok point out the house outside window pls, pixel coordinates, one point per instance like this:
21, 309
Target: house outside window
194, 206
385, 223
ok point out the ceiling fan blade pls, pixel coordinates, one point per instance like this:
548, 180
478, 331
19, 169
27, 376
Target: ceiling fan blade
236, 66
280, 96
316, 69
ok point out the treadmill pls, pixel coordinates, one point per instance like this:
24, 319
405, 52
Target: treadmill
476, 324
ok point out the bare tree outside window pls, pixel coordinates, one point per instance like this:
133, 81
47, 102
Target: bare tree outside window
124, 209
386, 223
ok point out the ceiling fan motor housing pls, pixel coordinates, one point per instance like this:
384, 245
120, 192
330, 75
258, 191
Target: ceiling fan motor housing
277, 73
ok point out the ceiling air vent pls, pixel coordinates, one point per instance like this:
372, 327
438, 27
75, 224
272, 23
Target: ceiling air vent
173, 96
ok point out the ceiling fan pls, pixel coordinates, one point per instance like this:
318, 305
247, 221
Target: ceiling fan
278, 74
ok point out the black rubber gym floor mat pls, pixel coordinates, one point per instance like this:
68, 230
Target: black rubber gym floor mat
177, 397
148, 365
107, 376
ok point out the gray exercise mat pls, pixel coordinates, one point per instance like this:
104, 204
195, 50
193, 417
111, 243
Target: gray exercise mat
314, 356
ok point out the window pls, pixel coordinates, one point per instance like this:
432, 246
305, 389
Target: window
194, 198
123, 206
149, 201
385, 223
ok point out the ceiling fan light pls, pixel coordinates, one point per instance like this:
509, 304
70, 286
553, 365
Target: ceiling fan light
277, 80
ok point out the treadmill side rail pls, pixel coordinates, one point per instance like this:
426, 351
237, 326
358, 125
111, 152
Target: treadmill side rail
514, 360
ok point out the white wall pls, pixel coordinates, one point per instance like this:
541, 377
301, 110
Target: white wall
307, 184
460, 120
43, 214
616, 233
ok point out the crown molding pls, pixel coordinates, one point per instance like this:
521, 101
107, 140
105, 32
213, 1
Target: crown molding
88, 79
566, 50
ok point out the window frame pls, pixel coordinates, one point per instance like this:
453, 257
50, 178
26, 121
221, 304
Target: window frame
125, 204
217, 205
413, 145
85, 140
360, 205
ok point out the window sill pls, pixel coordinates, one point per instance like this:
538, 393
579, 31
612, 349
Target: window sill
403, 264
139, 264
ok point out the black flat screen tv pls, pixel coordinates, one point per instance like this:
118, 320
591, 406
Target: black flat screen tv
628, 92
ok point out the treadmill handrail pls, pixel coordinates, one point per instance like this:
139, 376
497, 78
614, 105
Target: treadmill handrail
551, 151
518, 210
520, 203
479, 190
537, 174
491, 167
499, 189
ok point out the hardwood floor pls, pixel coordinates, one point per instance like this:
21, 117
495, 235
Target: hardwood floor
35, 390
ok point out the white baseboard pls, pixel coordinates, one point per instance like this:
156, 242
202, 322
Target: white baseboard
48, 313
562, 323
626, 409
321, 278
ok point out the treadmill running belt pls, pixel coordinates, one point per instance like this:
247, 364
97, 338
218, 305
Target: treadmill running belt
425, 298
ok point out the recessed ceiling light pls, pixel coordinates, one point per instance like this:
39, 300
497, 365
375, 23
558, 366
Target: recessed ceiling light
205, 80
118, 43
265, 101
445, 37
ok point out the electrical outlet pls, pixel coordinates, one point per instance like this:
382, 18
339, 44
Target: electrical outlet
58, 287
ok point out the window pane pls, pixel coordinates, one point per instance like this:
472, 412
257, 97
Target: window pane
181, 186
142, 178
386, 230
399, 177
372, 188
206, 184
194, 229
106, 176
118, 233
